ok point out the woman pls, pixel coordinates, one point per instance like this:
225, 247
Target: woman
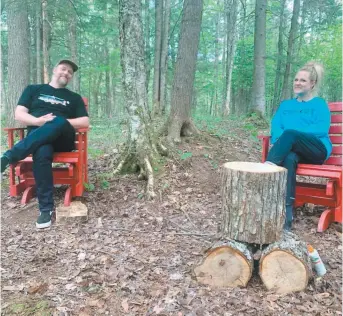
300, 130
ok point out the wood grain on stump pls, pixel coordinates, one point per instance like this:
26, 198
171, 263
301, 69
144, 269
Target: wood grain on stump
227, 263
253, 202
285, 265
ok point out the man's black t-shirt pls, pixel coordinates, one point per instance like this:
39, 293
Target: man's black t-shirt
43, 99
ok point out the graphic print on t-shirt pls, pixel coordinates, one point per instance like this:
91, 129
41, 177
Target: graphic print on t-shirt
52, 99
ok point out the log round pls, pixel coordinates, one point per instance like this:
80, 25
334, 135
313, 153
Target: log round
285, 266
253, 202
227, 263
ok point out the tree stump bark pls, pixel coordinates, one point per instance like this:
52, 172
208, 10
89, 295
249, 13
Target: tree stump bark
285, 265
227, 263
253, 202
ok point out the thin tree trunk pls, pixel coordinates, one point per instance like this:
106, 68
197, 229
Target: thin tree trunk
231, 12
147, 42
46, 42
33, 59
164, 55
258, 93
39, 70
157, 58
276, 97
73, 45
216, 64
286, 89
180, 122
4, 103
18, 53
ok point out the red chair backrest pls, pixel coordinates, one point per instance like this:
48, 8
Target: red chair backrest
335, 134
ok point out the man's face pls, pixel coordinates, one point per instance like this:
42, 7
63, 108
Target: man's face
63, 73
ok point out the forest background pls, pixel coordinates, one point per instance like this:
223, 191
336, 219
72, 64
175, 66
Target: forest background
35, 34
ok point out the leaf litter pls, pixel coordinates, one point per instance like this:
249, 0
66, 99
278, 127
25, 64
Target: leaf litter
136, 257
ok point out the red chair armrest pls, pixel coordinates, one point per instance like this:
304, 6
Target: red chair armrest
82, 130
265, 146
8, 129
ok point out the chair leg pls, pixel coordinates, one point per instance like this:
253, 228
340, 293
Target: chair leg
338, 214
28, 194
68, 196
327, 217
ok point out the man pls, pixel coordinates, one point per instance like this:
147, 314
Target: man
51, 112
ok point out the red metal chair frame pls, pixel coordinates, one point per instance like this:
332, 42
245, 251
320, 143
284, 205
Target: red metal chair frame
330, 194
75, 174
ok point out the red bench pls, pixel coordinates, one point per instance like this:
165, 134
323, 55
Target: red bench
75, 174
329, 194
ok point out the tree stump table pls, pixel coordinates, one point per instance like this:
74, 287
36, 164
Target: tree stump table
253, 214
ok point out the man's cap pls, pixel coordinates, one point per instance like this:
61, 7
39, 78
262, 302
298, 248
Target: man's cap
69, 62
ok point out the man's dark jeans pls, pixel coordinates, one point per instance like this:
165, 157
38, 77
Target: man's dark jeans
57, 135
295, 147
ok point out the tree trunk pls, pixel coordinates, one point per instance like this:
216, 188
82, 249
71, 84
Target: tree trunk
259, 89
39, 70
73, 45
276, 97
164, 55
285, 266
4, 103
216, 64
227, 263
18, 53
180, 122
142, 149
286, 89
147, 43
231, 12
253, 208
157, 58
46, 42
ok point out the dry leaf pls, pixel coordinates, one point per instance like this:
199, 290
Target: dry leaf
18, 287
125, 305
40, 288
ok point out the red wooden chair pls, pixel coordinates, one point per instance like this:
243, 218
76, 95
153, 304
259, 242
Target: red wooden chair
75, 174
329, 194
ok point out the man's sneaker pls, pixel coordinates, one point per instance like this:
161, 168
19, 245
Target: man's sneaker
44, 220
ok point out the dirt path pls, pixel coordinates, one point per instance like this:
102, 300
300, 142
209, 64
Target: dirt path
135, 257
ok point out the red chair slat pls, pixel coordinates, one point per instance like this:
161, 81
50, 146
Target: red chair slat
337, 150
335, 106
337, 161
336, 118
335, 129
336, 139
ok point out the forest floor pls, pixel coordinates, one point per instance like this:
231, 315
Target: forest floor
136, 257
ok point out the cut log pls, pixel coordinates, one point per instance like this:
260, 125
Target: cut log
76, 212
285, 265
253, 202
227, 263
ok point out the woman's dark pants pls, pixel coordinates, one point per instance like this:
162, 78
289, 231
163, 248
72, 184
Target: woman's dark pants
57, 135
291, 148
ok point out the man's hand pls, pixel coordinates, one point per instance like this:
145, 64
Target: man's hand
43, 119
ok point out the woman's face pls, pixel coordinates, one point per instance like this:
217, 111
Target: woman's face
302, 84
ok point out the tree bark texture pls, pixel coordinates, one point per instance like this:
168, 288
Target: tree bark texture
141, 143
164, 55
46, 42
147, 42
285, 265
231, 12
18, 53
227, 263
39, 69
157, 54
286, 88
73, 45
258, 94
180, 122
253, 202
276, 97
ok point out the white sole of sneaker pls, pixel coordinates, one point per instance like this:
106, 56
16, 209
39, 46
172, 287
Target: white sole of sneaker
43, 225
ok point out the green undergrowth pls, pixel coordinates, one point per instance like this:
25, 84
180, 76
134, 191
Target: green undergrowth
28, 308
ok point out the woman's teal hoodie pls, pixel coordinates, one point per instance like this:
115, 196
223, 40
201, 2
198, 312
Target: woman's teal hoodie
311, 117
